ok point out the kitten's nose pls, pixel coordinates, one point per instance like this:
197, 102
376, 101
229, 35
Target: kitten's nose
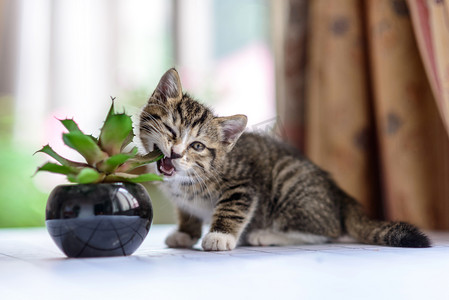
174, 155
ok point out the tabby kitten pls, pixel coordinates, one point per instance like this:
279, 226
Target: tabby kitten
252, 189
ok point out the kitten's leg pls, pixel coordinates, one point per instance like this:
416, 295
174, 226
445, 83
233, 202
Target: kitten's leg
188, 232
269, 237
233, 212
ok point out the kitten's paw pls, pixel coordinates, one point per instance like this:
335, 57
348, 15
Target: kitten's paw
217, 241
180, 239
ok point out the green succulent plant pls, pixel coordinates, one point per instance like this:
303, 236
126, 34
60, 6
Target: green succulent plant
105, 158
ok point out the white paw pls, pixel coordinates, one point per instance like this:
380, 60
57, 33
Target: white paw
217, 241
180, 239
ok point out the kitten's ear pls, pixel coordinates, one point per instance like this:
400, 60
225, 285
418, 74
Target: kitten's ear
230, 129
169, 87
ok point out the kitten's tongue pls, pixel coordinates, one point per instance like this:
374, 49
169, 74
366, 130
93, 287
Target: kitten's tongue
165, 166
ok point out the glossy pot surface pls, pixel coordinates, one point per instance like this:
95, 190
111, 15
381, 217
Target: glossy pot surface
92, 220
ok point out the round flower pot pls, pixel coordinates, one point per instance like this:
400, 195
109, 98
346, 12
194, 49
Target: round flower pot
105, 219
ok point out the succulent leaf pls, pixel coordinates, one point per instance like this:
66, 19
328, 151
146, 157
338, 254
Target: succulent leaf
113, 162
58, 169
72, 178
70, 125
114, 132
138, 161
85, 146
128, 140
88, 175
152, 156
63, 161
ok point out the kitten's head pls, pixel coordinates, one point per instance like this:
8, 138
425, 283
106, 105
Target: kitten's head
194, 141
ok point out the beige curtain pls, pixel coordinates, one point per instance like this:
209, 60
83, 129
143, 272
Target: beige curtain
372, 114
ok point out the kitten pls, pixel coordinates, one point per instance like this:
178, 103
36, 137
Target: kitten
252, 189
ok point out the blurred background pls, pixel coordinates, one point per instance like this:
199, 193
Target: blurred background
360, 86
66, 58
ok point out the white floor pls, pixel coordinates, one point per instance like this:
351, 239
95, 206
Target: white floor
31, 267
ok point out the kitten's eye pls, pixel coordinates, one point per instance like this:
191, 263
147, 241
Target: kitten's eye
197, 146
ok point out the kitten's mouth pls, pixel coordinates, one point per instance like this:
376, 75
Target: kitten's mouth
165, 166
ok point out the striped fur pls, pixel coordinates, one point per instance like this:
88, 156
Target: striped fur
252, 189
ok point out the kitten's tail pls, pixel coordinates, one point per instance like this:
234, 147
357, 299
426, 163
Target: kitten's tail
368, 231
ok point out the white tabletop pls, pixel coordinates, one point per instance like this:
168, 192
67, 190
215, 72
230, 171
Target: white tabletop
32, 267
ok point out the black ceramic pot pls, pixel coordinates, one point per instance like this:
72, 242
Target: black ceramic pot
105, 219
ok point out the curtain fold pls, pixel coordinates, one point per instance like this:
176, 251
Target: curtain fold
339, 127
375, 103
292, 109
413, 143
431, 25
